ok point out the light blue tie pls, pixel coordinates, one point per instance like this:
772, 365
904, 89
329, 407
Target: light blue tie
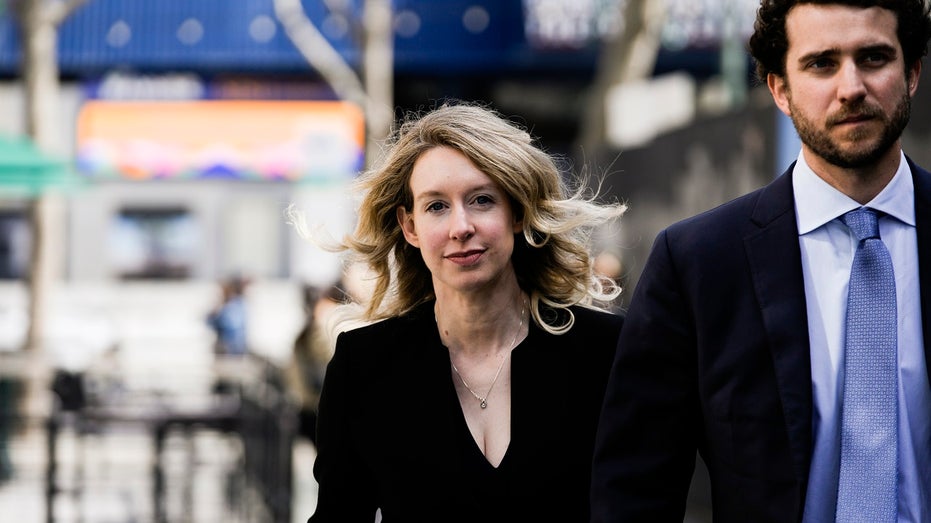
867, 486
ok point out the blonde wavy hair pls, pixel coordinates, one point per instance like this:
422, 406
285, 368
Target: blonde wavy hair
553, 263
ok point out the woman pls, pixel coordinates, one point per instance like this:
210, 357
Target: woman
477, 396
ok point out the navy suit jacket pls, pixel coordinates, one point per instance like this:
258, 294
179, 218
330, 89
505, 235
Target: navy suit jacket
714, 356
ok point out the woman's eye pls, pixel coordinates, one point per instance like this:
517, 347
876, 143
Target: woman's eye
435, 207
483, 199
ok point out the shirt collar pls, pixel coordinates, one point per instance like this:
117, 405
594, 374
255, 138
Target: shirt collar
817, 203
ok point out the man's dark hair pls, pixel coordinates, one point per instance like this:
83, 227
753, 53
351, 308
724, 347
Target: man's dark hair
769, 43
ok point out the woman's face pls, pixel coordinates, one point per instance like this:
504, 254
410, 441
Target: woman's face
461, 221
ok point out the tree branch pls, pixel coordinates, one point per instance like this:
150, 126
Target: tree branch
59, 10
319, 53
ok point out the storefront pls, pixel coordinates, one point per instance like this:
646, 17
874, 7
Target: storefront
198, 189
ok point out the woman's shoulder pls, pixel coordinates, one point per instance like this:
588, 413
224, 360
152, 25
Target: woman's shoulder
373, 330
594, 331
384, 333
582, 317
589, 346
590, 327
591, 322
596, 317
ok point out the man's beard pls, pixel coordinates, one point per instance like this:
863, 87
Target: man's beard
821, 143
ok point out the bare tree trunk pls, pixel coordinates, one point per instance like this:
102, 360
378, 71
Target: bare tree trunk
378, 70
630, 56
376, 96
40, 78
39, 21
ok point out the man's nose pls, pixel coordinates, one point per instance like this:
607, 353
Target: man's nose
851, 86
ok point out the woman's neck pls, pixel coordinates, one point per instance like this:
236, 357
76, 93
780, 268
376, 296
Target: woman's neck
489, 325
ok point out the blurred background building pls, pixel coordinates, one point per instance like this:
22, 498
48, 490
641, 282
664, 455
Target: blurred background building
191, 126
170, 136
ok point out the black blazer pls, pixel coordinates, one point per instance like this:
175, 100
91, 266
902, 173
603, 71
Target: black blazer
715, 356
391, 432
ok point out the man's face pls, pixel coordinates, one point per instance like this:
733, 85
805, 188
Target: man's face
846, 87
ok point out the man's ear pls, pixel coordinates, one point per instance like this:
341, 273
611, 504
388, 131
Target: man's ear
406, 221
779, 88
914, 72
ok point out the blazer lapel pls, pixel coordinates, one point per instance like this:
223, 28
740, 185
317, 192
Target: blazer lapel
774, 255
922, 181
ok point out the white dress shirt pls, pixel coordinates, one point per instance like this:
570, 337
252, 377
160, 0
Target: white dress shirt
828, 247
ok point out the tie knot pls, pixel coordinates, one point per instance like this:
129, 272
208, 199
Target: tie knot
863, 222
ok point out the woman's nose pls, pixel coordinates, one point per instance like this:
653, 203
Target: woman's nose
460, 227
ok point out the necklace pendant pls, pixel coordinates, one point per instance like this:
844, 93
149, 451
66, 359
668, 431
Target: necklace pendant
483, 404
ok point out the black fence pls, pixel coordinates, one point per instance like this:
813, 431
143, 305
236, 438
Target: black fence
249, 414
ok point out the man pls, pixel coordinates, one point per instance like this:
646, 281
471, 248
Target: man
740, 341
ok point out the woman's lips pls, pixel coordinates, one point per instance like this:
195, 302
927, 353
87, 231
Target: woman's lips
465, 258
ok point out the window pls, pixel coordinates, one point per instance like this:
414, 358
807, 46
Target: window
154, 243
15, 244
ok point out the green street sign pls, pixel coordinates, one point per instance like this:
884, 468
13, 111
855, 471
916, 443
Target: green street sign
26, 171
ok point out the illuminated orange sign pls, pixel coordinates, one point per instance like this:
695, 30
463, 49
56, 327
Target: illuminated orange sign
232, 139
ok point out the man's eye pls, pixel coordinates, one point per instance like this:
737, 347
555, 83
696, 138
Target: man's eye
875, 59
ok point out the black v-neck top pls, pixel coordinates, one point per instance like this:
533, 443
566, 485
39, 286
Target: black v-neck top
391, 433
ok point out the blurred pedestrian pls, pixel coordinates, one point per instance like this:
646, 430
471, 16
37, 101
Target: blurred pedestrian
785, 335
9, 418
473, 394
311, 353
228, 319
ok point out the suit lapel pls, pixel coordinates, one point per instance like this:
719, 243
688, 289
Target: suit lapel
774, 255
779, 288
923, 228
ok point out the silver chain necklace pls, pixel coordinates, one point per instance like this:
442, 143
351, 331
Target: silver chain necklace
484, 399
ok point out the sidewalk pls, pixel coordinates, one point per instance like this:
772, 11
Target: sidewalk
108, 478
